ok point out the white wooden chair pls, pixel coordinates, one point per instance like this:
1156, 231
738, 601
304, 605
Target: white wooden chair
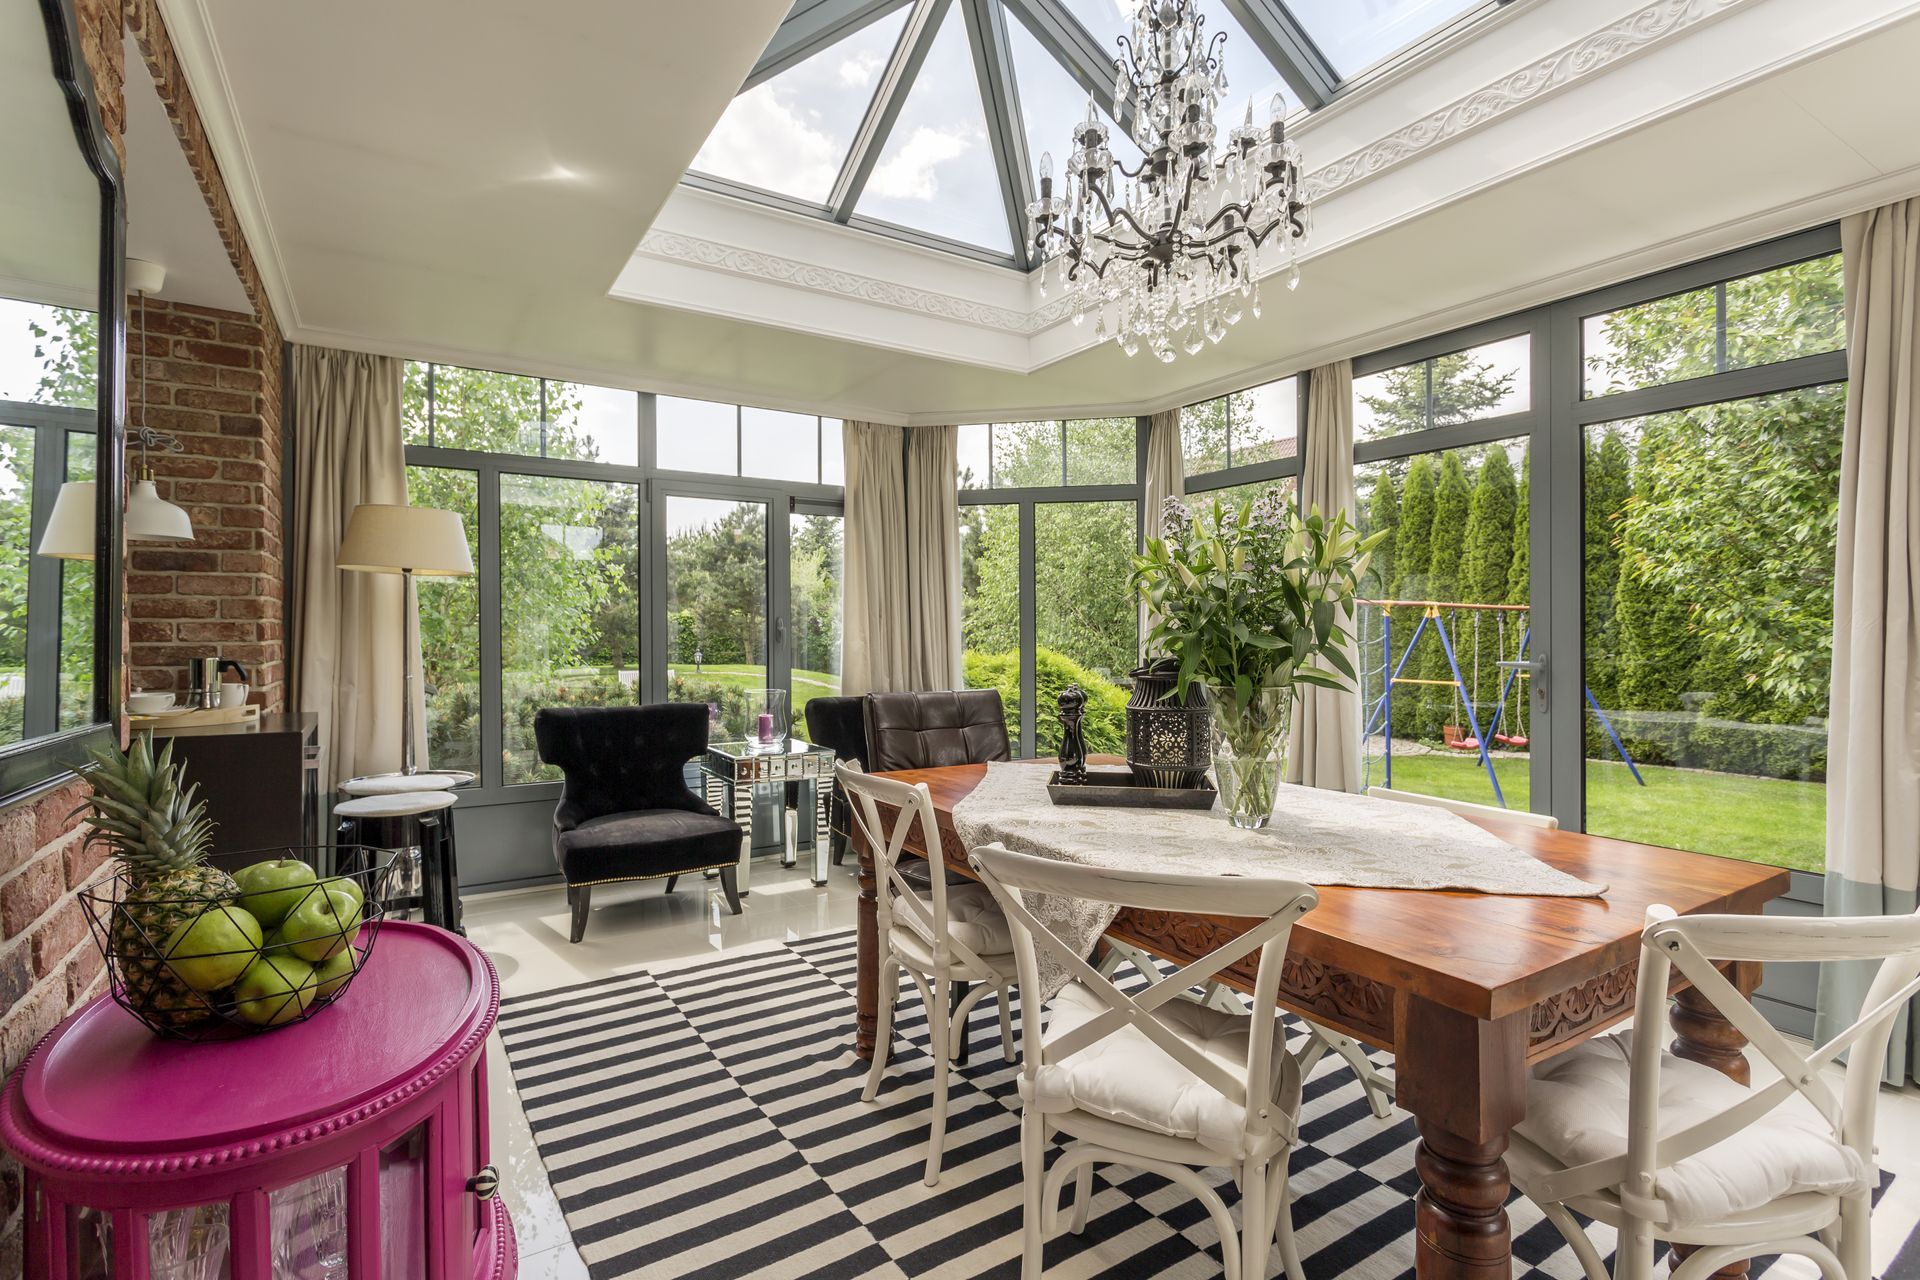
1467, 808
1665, 1149
1155, 1082
942, 935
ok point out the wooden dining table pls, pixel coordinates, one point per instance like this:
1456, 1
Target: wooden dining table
1466, 990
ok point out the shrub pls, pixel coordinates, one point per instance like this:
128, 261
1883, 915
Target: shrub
1105, 722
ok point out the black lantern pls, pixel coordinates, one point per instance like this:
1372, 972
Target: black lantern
1169, 738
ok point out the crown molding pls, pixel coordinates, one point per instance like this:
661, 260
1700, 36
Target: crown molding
190, 27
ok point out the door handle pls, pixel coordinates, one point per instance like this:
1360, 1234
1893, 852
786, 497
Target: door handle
1535, 669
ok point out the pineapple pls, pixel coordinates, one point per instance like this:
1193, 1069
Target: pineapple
160, 835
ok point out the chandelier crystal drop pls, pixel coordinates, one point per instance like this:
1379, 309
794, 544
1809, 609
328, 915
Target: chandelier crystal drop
1168, 256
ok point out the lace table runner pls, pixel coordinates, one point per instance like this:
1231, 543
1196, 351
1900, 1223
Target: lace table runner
1320, 837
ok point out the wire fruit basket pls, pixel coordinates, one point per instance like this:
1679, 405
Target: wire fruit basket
220, 967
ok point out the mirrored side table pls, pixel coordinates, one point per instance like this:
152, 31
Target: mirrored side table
748, 783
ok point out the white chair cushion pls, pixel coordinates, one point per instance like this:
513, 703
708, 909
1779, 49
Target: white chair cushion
405, 805
974, 919
1127, 1078
1577, 1113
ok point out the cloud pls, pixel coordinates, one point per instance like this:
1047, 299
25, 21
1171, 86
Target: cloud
766, 142
909, 173
857, 72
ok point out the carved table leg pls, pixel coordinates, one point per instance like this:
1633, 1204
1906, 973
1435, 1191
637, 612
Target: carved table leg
866, 987
1702, 1035
1464, 1079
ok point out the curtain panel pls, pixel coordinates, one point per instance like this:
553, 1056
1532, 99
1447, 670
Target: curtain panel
1873, 761
1165, 478
933, 558
348, 449
902, 587
1323, 745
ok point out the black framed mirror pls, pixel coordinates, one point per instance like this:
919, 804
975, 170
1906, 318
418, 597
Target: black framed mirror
62, 402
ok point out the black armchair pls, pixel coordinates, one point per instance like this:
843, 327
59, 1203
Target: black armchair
840, 724
626, 812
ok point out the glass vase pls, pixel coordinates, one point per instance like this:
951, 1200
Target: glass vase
1249, 750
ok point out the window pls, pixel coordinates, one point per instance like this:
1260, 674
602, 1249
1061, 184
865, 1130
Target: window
726, 440
1709, 563
1487, 381
449, 407
1756, 320
602, 578
1448, 599
1249, 427
1044, 595
449, 612
569, 605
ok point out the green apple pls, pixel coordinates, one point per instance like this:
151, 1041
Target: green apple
333, 972
271, 889
274, 989
326, 920
214, 948
348, 886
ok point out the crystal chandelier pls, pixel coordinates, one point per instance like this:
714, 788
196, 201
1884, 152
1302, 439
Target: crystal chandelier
1169, 254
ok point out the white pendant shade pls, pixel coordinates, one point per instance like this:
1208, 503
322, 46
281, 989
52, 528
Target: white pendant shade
69, 531
151, 518
394, 539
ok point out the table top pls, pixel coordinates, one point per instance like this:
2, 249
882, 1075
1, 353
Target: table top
102, 1082
1488, 955
746, 749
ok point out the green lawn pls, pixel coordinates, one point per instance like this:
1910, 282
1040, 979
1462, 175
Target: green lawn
1734, 815
807, 685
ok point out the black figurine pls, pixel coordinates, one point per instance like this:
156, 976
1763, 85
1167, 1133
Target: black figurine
1073, 738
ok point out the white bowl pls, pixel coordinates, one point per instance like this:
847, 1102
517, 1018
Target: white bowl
147, 704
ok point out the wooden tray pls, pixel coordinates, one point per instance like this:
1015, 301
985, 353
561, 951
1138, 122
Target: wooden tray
1120, 789
200, 719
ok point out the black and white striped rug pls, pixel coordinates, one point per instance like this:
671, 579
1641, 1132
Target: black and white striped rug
707, 1122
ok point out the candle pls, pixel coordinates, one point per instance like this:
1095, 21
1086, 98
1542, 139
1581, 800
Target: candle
766, 726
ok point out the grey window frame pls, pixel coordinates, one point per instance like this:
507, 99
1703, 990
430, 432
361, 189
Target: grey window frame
1025, 500
1230, 476
51, 425
654, 484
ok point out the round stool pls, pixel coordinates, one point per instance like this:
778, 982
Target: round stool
403, 823
393, 784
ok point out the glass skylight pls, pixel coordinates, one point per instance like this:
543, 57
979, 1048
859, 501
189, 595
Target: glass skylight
791, 134
1355, 34
936, 172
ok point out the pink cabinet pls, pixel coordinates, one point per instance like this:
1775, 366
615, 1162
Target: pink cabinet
351, 1146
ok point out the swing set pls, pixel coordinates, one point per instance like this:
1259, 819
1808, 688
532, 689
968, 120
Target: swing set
1434, 617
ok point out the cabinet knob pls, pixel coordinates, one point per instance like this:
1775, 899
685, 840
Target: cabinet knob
485, 1183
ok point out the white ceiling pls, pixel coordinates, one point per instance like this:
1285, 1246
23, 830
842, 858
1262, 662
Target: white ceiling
467, 181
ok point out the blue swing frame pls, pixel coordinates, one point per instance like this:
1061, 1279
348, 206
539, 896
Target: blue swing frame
1382, 715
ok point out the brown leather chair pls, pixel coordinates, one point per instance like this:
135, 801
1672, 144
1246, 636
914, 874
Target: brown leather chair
941, 727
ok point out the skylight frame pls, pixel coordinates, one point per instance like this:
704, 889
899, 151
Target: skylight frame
812, 26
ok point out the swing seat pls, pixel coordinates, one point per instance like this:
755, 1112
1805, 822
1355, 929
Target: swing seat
1510, 739
1464, 744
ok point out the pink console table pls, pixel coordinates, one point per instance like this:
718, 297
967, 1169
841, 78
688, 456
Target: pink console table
351, 1146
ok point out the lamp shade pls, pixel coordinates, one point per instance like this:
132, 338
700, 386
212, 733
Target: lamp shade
151, 518
69, 531
393, 539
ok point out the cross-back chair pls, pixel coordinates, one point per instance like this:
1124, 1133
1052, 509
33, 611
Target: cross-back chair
1153, 1081
1669, 1150
1467, 808
942, 935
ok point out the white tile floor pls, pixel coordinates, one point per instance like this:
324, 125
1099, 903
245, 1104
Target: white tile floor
634, 926
637, 927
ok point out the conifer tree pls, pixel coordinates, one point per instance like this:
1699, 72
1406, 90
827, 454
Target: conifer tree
1411, 553
1452, 495
1609, 482
1485, 565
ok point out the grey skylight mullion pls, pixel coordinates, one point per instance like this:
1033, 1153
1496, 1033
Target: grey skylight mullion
923, 24
813, 25
1075, 49
1006, 128
1286, 44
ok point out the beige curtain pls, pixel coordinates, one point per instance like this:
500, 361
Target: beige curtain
1324, 745
346, 627
873, 656
933, 558
1873, 761
1166, 478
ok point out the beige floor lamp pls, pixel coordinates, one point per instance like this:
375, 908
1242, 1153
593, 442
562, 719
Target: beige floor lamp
405, 540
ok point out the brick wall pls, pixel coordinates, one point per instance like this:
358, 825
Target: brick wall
212, 381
